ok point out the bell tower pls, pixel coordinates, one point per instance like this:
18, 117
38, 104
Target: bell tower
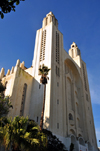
50, 18
44, 43
75, 53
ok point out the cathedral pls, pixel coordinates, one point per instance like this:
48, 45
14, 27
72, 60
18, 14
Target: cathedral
68, 111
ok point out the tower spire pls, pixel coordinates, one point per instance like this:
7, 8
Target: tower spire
50, 18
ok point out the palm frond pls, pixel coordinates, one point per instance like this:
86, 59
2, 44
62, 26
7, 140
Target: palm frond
44, 70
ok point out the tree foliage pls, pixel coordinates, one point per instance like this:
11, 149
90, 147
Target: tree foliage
21, 134
5, 103
44, 72
6, 6
2, 88
54, 144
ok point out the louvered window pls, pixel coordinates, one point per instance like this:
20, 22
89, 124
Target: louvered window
43, 45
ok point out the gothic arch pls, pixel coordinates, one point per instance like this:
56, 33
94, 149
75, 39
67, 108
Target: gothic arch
70, 116
74, 141
72, 65
81, 141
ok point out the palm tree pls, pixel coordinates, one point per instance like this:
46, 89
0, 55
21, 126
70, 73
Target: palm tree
44, 72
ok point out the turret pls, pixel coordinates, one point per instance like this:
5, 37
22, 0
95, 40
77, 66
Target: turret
12, 70
22, 65
50, 18
18, 63
75, 53
8, 72
2, 73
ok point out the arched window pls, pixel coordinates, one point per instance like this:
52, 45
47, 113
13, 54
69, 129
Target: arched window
81, 141
72, 53
69, 91
70, 116
23, 99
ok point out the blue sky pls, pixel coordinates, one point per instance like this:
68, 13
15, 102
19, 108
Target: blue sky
79, 21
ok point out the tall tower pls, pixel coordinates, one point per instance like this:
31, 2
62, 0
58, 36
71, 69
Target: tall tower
66, 113
44, 42
48, 51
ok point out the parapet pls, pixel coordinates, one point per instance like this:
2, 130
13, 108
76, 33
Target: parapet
18, 64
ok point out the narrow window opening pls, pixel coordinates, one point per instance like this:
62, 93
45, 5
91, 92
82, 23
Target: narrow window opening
70, 116
57, 101
39, 86
56, 70
57, 84
87, 97
37, 118
23, 100
57, 125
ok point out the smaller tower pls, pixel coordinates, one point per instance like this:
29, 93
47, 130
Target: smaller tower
75, 53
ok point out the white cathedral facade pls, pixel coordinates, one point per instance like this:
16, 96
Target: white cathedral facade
68, 111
